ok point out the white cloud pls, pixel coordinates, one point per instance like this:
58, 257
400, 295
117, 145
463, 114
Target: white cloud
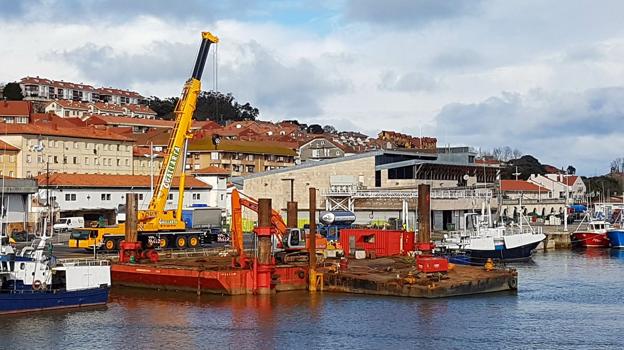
358, 64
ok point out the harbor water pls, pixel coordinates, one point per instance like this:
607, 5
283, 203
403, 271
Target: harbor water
566, 300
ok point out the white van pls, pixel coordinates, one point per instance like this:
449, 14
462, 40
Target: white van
66, 224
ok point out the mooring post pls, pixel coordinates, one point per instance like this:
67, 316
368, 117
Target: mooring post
291, 214
424, 219
130, 247
264, 261
312, 240
132, 208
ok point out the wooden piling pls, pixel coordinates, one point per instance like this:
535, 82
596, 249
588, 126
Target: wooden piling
312, 241
132, 208
292, 213
264, 221
424, 214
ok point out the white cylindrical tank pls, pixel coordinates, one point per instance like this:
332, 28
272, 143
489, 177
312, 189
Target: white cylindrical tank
337, 217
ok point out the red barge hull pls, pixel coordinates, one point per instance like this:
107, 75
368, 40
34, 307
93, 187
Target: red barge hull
586, 239
225, 282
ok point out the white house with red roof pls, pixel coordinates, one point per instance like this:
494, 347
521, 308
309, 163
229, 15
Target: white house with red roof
217, 178
102, 195
560, 184
514, 189
67, 108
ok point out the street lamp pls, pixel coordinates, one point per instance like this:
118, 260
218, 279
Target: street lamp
151, 157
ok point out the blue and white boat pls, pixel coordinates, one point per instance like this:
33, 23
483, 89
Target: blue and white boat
33, 281
482, 241
616, 237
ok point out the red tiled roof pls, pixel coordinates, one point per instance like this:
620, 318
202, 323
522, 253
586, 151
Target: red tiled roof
521, 186
53, 119
207, 125
211, 170
6, 147
117, 92
106, 180
71, 104
129, 121
157, 137
141, 109
15, 108
138, 151
119, 120
569, 180
56, 130
56, 83
108, 107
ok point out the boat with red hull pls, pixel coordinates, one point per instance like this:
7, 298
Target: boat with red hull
594, 235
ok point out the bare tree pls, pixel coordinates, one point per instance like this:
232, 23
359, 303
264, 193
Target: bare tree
497, 153
507, 153
516, 153
617, 165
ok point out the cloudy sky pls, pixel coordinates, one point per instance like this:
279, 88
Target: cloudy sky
546, 77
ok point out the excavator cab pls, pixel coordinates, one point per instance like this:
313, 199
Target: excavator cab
295, 239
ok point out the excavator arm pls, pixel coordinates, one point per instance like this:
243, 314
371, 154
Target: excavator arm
236, 227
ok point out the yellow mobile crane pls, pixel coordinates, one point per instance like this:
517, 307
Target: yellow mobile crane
157, 226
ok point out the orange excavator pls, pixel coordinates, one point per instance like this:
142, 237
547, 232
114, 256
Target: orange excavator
289, 244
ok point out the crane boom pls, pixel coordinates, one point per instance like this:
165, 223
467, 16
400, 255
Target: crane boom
180, 133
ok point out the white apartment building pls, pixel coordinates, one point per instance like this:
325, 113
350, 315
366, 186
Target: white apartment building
41, 89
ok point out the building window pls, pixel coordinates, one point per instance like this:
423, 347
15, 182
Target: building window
213, 156
196, 196
28, 158
28, 174
106, 196
249, 157
118, 162
70, 197
250, 168
96, 161
76, 145
86, 160
140, 196
127, 162
170, 197
75, 160
55, 159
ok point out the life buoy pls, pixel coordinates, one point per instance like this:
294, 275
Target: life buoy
36, 285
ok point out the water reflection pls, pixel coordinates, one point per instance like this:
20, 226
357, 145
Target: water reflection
566, 299
617, 253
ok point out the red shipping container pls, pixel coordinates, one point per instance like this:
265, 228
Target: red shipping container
378, 242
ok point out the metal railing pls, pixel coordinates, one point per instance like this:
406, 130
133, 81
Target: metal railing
353, 191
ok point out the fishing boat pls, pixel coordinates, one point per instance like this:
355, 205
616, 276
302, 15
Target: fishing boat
594, 234
32, 280
616, 237
483, 241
